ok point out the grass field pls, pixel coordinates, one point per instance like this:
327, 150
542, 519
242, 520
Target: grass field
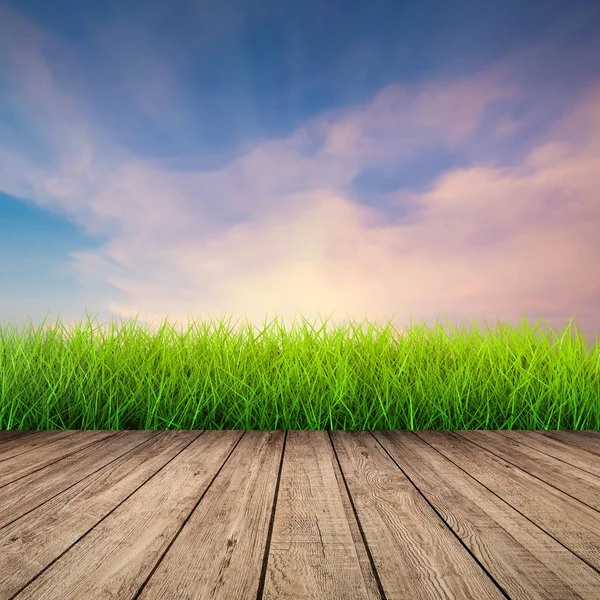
353, 377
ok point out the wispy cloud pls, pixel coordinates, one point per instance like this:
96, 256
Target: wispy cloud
282, 228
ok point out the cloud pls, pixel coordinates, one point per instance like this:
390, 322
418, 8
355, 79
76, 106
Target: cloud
281, 229
483, 240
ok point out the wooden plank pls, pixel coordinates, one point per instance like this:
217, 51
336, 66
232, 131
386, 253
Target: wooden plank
525, 561
29, 492
572, 523
593, 432
114, 558
10, 434
21, 444
572, 455
576, 439
569, 479
312, 552
416, 554
228, 530
18, 466
31, 543
357, 536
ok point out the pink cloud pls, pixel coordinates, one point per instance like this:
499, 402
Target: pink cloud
280, 231
485, 241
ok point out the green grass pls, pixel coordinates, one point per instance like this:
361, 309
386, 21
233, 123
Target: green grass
352, 377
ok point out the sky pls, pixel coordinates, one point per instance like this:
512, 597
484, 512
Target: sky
387, 161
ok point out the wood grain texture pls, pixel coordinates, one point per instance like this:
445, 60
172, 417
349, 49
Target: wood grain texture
10, 434
21, 465
593, 432
29, 492
114, 558
300, 515
32, 542
228, 530
313, 553
568, 520
20, 444
576, 438
415, 553
569, 454
523, 559
571, 480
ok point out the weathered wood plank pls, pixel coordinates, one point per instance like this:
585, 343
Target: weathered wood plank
31, 543
20, 445
572, 523
23, 464
593, 432
365, 559
569, 479
572, 455
29, 492
228, 530
312, 553
118, 554
415, 553
10, 434
131, 510
525, 561
576, 438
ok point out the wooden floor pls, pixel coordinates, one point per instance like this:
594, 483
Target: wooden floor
320, 515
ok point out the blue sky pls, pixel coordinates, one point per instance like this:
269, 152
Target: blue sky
370, 160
